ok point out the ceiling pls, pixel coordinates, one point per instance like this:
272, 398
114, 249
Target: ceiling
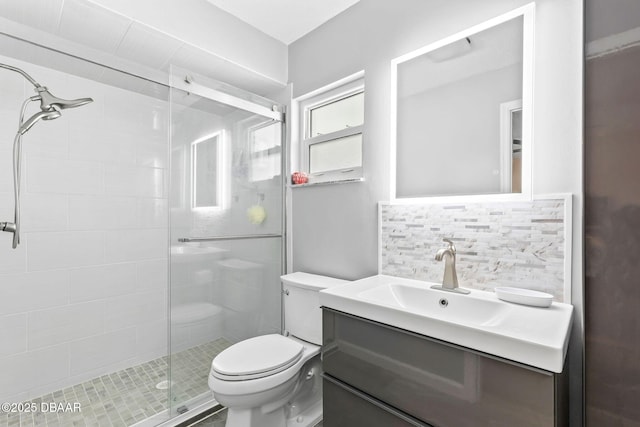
284, 20
115, 32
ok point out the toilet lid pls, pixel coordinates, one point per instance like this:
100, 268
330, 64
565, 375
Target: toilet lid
256, 358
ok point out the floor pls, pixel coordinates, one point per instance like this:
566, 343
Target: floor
126, 397
219, 419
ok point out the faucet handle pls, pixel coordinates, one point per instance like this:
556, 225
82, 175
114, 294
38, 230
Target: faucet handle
451, 245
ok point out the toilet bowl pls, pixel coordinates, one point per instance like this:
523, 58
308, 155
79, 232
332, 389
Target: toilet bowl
274, 380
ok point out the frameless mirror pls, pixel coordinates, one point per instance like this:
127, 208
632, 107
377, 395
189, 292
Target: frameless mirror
463, 112
206, 171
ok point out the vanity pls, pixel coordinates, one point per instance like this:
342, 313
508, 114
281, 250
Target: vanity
398, 353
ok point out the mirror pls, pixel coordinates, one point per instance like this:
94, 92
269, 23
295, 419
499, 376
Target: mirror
462, 112
206, 170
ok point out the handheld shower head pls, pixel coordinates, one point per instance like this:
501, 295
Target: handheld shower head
51, 107
48, 101
44, 115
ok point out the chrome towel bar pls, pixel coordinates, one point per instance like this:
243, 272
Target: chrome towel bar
217, 238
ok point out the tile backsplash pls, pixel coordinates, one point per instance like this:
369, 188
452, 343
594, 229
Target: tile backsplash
520, 244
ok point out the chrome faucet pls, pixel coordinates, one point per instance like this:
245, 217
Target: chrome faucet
450, 279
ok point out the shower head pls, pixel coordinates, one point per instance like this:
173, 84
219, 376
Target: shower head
44, 115
48, 101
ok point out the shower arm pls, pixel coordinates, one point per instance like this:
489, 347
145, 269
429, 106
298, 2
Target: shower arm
23, 73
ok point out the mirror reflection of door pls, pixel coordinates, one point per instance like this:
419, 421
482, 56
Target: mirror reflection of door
516, 151
511, 146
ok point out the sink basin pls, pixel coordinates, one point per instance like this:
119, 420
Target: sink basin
429, 302
533, 336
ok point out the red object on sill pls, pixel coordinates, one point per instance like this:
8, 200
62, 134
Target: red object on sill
299, 178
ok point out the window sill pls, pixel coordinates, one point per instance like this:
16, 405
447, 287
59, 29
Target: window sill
313, 184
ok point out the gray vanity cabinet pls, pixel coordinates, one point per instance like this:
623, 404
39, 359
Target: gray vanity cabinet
379, 375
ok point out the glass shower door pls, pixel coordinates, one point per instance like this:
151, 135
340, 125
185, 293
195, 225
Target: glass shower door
226, 227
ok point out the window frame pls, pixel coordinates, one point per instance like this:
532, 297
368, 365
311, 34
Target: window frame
343, 89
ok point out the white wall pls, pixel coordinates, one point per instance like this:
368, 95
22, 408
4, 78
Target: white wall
86, 291
334, 227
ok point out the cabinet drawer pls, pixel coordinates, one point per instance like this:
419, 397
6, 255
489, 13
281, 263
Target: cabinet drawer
345, 407
436, 382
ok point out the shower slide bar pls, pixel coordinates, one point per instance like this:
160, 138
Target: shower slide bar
217, 238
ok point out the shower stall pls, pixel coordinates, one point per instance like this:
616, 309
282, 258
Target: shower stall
152, 237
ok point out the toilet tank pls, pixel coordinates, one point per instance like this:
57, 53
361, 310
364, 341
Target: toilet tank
302, 313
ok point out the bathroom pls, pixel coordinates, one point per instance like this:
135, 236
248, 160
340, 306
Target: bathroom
128, 281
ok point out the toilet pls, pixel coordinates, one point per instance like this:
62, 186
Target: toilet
274, 380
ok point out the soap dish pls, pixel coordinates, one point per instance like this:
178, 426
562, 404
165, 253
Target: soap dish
524, 296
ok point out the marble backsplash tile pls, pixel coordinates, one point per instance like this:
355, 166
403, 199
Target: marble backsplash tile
520, 244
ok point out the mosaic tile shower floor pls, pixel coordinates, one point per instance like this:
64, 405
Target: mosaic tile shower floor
126, 397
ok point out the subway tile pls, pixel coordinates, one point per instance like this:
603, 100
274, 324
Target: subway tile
94, 144
44, 212
6, 171
151, 338
33, 291
12, 260
93, 283
135, 309
153, 213
151, 182
121, 180
47, 175
135, 245
102, 213
33, 369
63, 324
101, 350
12, 87
68, 249
153, 275
48, 137
151, 154
13, 334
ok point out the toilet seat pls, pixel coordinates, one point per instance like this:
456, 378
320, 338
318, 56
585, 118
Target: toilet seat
256, 357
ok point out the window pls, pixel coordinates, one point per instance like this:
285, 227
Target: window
332, 120
264, 148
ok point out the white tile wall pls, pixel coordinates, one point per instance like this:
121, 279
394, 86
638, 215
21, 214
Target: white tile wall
103, 281
13, 334
63, 324
27, 292
47, 251
102, 350
86, 291
28, 370
101, 212
44, 212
